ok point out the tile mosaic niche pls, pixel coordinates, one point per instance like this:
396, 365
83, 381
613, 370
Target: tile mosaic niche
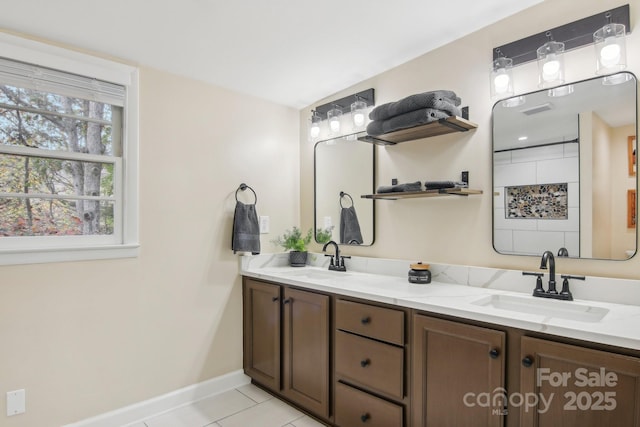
538, 201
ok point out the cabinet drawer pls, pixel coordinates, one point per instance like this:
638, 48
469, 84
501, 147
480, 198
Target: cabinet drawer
371, 363
383, 324
355, 408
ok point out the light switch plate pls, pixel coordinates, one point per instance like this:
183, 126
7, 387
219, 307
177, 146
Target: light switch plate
264, 224
16, 402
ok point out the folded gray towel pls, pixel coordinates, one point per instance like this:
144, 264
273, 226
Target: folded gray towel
406, 120
445, 100
350, 227
437, 185
399, 188
246, 230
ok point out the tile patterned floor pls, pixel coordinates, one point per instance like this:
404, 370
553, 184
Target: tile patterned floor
245, 406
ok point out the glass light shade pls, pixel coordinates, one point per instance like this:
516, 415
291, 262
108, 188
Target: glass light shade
334, 116
616, 79
560, 91
314, 130
358, 113
502, 78
514, 102
314, 126
550, 64
611, 51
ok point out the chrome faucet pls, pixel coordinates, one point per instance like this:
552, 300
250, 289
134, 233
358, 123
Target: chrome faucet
338, 264
548, 256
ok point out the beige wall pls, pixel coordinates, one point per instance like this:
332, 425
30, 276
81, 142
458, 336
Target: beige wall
602, 186
458, 230
89, 337
623, 238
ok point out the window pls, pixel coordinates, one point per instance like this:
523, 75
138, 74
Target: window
68, 155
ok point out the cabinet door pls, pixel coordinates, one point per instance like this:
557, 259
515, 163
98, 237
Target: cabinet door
306, 350
568, 385
457, 370
261, 316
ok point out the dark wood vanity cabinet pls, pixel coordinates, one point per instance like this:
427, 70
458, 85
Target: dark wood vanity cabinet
567, 385
454, 367
353, 362
286, 343
371, 365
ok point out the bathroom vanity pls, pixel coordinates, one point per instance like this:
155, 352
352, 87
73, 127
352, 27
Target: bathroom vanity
364, 348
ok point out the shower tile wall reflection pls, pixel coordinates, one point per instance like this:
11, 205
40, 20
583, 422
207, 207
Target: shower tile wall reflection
532, 168
545, 201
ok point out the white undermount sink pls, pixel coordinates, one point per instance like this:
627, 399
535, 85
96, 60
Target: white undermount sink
569, 310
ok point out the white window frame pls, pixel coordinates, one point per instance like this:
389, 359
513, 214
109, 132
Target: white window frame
30, 250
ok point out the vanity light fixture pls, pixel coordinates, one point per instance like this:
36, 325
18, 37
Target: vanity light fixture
502, 78
550, 63
611, 51
606, 30
327, 121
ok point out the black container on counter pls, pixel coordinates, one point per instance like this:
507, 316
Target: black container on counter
419, 273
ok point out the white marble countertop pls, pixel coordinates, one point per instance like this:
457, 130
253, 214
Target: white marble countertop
619, 326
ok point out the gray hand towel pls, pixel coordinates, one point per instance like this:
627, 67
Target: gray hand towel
405, 121
350, 227
246, 230
445, 100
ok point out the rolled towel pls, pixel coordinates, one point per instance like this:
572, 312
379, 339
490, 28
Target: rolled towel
445, 100
404, 121
399, 188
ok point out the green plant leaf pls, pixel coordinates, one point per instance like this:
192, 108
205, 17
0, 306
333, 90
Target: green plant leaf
293, 240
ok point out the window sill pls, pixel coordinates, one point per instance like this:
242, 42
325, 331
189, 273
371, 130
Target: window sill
86, 253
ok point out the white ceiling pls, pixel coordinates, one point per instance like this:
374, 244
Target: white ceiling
291, 52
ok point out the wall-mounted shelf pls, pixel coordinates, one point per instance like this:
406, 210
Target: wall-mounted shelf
440, 127
427, 193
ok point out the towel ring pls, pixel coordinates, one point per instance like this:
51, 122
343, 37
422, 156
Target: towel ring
343, 194
243, 187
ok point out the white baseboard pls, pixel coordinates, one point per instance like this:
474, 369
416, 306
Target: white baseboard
142, 410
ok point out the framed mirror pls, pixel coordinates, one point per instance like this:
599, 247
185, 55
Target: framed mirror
564, 170
344, 169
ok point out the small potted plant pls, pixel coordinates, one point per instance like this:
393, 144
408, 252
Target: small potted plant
293, 241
